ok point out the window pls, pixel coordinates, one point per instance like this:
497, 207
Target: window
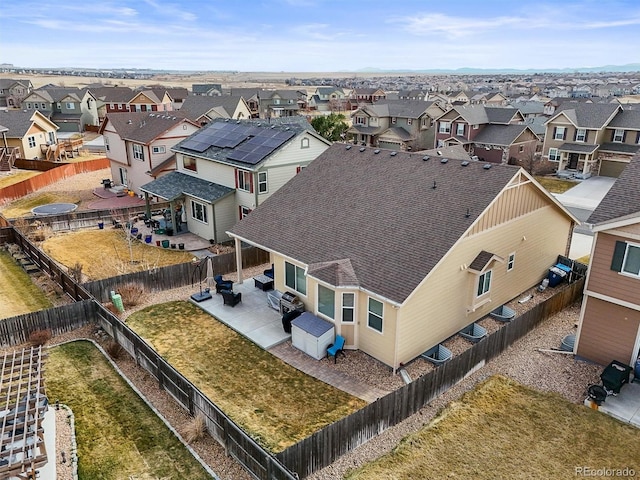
554, 155
460, 129
123, 176
295, 278
521, 148
106, 144
70, 106
560, 133
326, 301
29, 106
138, 152
361, 120
445, 127
244, 180
375, 314
393, 120
484, 283
43, 105
52, 137
581, 135
190, 164
159, 149
244, 211
263, 186
409, 121
626, 258
475, 127
32, 141
304, 143
511, 262
348, 307
618, 135
199, 211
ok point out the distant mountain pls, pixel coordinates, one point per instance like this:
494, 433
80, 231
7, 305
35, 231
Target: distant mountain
630, 67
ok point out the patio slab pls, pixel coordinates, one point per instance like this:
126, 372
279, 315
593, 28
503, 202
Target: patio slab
625, 406
252, 317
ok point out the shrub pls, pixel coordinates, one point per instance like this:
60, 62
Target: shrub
38, 338
114, 349
195, 429
76, 272
131, 294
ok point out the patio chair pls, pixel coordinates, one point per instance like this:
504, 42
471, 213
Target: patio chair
222, 284
269, 272
230, 298
336, 348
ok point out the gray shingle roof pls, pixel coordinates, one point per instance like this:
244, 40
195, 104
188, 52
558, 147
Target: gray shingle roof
623, 199
143, 127
196, 106
500, 134
472, 114
360, 206
113, 94
501, 115
578, 147
628, 119
588, 115
626, 148
400, 108
176, 184
17, 122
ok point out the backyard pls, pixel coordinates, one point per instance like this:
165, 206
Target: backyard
118, 435
272, 401
502, 429
16, 176
18, 294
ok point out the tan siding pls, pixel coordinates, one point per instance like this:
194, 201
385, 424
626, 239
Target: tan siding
608, 332
379, 345
632, 229
227, 215
439, 307
606, 281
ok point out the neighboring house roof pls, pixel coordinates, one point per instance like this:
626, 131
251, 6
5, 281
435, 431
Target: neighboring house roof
365, 130
113, 94
529, 107
587, 115
398, 132
168, 164
626, 148
400, 108
578, 147
472, 114
623, 199
452, 152
243, 143
18, 122
501, 115
537, 125
175, 184
59, 94
500, 134
627, 118
335, 213
143, 127
195, 106
204, 88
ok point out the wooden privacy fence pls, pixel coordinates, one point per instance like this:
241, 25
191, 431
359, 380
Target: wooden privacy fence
327, 445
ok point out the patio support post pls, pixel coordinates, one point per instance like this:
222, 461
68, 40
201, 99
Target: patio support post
147, 206
172, 216
238, 245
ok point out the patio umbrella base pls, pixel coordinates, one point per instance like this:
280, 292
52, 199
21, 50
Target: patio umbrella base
201, 296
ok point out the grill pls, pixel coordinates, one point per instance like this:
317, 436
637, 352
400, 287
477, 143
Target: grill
289, 301
615, 375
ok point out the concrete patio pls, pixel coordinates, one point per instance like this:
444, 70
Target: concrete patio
625, 406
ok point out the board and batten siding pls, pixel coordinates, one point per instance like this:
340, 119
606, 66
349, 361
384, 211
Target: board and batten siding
608, 332
443, 304
226, 216
608, 282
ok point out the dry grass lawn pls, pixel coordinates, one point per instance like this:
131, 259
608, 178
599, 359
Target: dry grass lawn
105, 253
22, 207
118, 435
18, 294
555, 185
16, 176
275, 403
505, 430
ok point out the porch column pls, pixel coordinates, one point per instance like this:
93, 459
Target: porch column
586, 164
172, 216
147, 206
238, 245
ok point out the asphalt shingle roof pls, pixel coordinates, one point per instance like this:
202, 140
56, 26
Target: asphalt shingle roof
195, 106
176, 184
143, 127
578, 147
628, 119
379, 211
17, 122
500, 134
588, 115
623, 199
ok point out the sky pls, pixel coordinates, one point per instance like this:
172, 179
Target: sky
319, 35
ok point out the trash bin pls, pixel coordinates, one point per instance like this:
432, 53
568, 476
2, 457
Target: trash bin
615, 375
556, 275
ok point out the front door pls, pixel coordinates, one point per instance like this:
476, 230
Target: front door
573, 161
123, 176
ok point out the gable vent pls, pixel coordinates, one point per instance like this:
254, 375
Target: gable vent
444, 160
393, 154
348, 147
362, 149
376, 151
464, 163
486, 166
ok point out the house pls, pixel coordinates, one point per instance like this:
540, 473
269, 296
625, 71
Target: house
138, 145
111, 100
360, 96
12, 92
395, 124
72, 109
282, 103
328, 99
203, 109
400, 251
206, 89
150, 101
609, 327
251, 96
584, 139
229, 167
493, 134
29, 131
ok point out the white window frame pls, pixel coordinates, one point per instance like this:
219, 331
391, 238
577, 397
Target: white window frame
351, 308
199, 212
244, 211
375, 315
31, 139
444, 127
484, 283
192, 162
581, 135
244, 180
560, 132
138, 151
304, 142
106, 143
158, 149
624, 261
511, 261
70, 106
263, 183
328, 314
554, 155
618, 135
409, 121
460, 129
52, 138
29, 106
361, 121
299, 280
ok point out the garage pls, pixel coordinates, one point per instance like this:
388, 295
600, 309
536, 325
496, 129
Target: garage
612, 168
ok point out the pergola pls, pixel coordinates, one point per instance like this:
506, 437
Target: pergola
23, 404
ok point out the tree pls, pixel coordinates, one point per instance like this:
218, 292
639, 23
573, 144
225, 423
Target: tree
332, 127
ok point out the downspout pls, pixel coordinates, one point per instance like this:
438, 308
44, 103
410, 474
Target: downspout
397, 340
213, 220
238, 245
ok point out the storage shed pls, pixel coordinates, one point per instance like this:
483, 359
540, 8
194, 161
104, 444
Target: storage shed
312, 335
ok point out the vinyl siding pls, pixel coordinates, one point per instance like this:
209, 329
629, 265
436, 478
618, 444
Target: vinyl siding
227, 216
293, 154
608, 332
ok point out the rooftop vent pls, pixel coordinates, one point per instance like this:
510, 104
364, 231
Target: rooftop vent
425, 158
439, 152
376, 151
468, 214
348, 147
434, 184
152, 115
444, 160
464, 163
362, 149
393, 154
486, 166
238, 122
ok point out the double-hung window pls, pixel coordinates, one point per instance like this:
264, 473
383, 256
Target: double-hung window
32, 141
626, 258
618, 135
460, 129
263, 186
560, 133
244, 180
375, 314
295, 278
326, 301
581, 135
198, 211
484, 283
445, 127
138, 151
348, 306
554, 155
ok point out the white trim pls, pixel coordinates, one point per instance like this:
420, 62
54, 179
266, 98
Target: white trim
381, 331
636, 350
615, 301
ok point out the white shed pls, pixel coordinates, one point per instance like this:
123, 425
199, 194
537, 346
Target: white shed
312, 335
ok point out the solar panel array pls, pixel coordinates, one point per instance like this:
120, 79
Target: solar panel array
250, 144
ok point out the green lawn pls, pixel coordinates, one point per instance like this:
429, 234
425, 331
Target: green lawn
275, 403
503, 430
118, 436
18, 294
